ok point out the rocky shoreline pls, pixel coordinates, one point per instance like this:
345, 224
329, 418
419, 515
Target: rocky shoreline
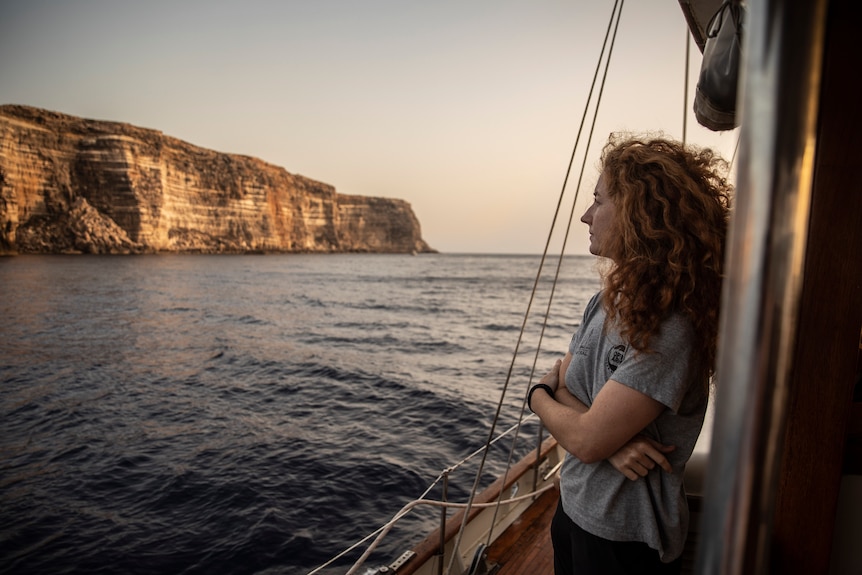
73, 185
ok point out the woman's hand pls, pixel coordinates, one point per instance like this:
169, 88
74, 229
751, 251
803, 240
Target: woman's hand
640, 455
552, 378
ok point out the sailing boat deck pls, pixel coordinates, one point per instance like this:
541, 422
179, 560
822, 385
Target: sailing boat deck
525, 547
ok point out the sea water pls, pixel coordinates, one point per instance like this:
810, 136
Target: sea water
256, 414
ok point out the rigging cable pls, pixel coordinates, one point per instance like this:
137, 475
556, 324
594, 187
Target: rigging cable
404, 511
613, 23
685, 85
569, 224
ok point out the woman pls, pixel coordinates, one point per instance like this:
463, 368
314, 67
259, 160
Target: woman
636, 376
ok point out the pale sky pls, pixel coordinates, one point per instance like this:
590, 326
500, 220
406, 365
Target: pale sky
466, 109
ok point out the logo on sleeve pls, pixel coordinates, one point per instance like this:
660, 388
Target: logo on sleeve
615, 357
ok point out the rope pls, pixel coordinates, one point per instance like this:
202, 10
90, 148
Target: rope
407, 508
611, 24
421, 497
735, 150
685, 85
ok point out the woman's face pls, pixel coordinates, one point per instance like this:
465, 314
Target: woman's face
601, 218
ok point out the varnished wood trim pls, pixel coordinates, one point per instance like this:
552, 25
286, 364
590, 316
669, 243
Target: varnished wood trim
431, 544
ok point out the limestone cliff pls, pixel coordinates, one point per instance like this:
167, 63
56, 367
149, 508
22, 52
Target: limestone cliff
71, 185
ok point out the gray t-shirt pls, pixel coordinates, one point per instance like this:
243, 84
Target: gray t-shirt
600, 499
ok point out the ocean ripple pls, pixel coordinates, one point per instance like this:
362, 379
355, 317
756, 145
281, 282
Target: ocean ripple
225, 414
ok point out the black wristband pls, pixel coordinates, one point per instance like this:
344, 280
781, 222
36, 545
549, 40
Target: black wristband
534, 388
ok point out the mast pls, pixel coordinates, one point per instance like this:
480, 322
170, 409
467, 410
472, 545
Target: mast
787, 361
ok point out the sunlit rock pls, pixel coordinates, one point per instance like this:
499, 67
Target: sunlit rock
72, 185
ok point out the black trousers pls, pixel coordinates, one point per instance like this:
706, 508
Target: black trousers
577, 552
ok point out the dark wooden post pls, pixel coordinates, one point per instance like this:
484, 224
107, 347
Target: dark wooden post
825, 359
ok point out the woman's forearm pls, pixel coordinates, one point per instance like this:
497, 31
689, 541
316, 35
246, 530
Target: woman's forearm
593, 433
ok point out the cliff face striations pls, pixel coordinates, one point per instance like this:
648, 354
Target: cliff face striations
71, 185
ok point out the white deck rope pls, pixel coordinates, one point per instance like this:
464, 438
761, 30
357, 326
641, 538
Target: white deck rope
402, 513
407, 508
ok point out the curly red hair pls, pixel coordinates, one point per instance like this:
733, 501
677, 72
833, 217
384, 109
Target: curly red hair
672, 209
